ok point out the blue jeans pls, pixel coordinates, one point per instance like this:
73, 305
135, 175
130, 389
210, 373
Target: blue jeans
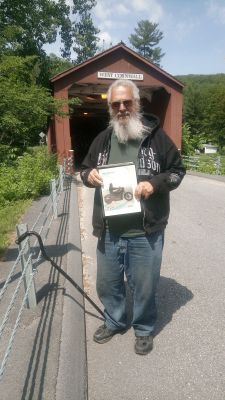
139, 258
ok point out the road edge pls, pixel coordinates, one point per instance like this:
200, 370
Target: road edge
72, 382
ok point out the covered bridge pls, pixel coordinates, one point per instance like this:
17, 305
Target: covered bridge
161, 94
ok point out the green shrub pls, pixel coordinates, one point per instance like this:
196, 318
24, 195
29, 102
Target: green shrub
29, 177
22, 179
206, 163
8, 154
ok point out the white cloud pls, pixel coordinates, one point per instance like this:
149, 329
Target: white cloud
183, 29
216, 10
118, 18
102, 10
105, 39
109, 17
106, 25
105, 8
152, 7
122, 9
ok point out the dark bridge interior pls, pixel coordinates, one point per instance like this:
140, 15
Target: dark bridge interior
91, 116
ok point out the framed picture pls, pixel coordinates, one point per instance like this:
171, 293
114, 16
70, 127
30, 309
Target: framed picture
119, 183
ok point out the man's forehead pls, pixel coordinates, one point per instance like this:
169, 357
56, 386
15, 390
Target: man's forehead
124, 91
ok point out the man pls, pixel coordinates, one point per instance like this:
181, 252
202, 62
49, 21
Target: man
131, 244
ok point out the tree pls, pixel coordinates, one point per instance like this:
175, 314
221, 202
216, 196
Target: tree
146, 37
215, 116
50, 66
26, 103
26, 26
85, 38
25, 107
194, 108
186, 147
84, 33
204, 108
57, 64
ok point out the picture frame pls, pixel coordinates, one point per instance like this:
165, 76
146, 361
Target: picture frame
118, 188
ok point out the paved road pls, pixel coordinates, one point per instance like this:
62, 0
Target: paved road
48, 359
188, 359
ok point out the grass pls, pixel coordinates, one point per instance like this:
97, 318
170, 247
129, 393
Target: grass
206, 163
9, 217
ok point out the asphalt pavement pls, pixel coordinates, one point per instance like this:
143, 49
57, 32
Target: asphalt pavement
188, 359
54, 356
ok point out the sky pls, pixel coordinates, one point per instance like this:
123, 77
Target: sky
194, 30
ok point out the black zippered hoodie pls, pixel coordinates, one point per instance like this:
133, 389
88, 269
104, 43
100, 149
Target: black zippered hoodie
159, 162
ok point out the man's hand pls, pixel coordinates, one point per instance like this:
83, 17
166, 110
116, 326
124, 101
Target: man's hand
143, 190
94, 178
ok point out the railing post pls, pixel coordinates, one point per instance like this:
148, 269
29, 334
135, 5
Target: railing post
218, 165
71, 162
61, 178
31, 301
64, 165
54, 198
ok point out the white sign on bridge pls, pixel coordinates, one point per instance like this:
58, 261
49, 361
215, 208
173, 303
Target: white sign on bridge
120, 75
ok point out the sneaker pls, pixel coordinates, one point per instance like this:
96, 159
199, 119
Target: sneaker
143, 344
104, 334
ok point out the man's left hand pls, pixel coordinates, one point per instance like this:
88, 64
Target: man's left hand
143, 190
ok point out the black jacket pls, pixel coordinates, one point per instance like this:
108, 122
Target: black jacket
159, 162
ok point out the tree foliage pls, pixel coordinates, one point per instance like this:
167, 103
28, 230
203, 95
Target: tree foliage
145, 39
26, 26
187, 147
84, 33
204, 109
26, 103
50, 66
25, 107
28, 176
85, 38
214, 121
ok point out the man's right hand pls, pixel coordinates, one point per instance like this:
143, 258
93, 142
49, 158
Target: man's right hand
94, 178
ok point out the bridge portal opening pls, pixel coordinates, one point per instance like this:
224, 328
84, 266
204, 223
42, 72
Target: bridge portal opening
91, 116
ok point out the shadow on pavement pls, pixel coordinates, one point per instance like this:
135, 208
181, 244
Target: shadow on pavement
96, 315
35, 376
171, 297
55, 250
10, 254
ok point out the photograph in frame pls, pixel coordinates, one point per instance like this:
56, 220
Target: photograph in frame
119, 183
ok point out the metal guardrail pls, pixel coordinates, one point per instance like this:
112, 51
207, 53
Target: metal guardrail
207, 164
29, 266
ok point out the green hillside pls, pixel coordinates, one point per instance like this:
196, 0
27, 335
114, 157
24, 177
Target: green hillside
217, 79
203, 111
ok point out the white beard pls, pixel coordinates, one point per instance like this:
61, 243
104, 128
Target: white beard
132, 128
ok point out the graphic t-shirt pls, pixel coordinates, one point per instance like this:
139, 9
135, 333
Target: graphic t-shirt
128, 225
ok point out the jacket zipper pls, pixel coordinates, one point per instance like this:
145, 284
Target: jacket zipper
143, 219
106, 162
